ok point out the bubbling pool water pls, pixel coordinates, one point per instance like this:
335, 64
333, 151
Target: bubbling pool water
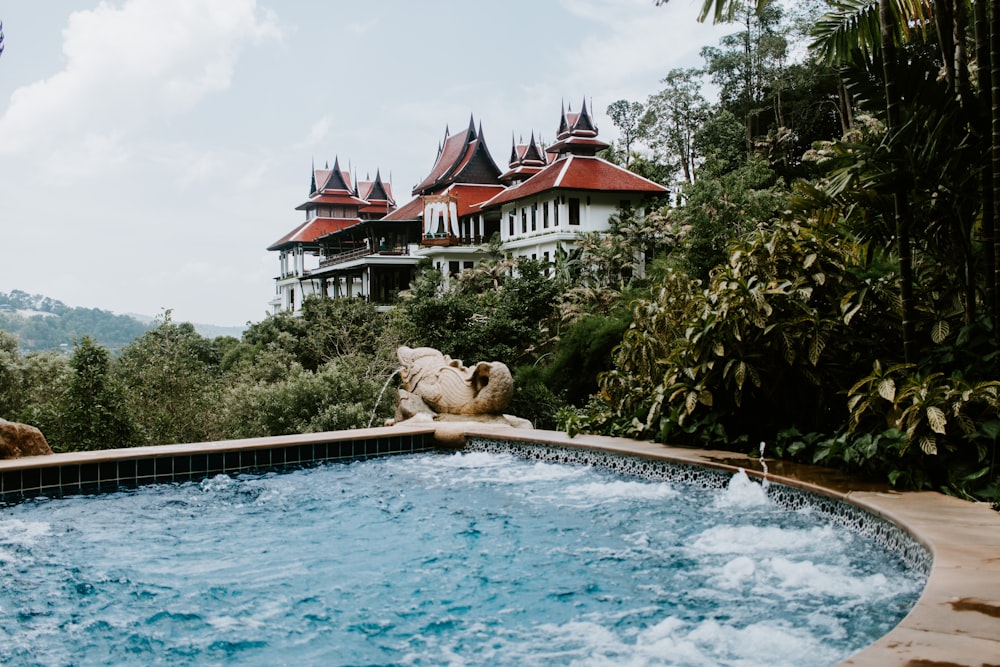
431, 559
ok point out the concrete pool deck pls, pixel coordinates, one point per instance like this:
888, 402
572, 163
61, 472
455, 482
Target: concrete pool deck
955, 623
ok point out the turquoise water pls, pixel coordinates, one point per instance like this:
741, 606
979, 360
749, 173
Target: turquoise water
438, 559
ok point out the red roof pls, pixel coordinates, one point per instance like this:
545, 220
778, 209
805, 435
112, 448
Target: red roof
469, 197
521, 172
456, 149
412, 210
324, 199
578, 172
384, 207
311, 230
464, 152
586, 145
376, 191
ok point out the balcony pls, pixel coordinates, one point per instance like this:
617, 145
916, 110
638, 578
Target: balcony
350, 255
445, 239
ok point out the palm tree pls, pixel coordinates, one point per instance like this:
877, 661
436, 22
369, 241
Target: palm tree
869, 27
723, 11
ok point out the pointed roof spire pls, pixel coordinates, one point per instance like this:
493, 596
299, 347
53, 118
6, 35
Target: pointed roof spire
563, 123
584, 125
312, 171
378, 191
462, 156
336, 180
514, 157
532, 155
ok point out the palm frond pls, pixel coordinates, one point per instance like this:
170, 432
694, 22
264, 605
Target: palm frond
853, 25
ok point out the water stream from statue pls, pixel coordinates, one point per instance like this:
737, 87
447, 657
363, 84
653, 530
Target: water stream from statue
379, 399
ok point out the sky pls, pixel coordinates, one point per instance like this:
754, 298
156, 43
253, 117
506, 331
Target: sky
151, 151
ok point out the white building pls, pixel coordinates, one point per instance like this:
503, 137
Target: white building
545, 200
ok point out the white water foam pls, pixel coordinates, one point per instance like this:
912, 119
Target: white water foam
671, 642
727, 539
743, 492
597, 493
484, 468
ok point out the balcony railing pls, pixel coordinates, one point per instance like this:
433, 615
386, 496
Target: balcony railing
451, 239
351, 255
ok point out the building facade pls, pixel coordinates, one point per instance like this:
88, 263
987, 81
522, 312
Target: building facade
356, 243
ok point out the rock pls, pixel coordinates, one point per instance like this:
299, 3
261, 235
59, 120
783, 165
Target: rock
18, 440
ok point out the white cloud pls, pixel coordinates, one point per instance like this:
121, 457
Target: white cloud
362, 28
637, 43
317, 133
128, 65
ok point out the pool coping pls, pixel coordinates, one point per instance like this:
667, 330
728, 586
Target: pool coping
955, 622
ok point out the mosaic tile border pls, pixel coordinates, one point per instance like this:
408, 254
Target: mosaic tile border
131, 468
884, 533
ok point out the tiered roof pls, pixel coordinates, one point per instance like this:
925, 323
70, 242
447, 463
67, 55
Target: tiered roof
578, 172
575, 166
526, 160
463, 158
577, 134
378, 196
332, 187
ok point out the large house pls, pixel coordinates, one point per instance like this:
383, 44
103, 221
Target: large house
356, 243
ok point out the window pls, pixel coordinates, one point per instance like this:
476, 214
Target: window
574, 211
466, 265
555, 217
524, 221
545, 215
453, 268
534, 217
510, 221
625, 205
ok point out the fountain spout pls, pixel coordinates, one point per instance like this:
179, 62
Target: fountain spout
381, 393
763, 464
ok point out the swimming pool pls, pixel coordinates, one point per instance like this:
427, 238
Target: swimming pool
458, 558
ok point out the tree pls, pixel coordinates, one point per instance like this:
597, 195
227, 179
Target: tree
747, 68
500, 310
171, 380
674, 116
722, 11
626, 116
95, 414
32, 386
851, 30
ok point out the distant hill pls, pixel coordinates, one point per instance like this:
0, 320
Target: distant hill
205, 330
42, 323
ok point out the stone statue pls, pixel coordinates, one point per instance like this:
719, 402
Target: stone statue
438, 387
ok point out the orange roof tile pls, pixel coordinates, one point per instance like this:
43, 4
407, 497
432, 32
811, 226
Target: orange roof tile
411, 210
578, 172
311, 230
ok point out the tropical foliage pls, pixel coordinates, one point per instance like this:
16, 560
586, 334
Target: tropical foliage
825, 279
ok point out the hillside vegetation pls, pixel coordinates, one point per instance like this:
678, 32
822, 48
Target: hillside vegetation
825, 282
41, 323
